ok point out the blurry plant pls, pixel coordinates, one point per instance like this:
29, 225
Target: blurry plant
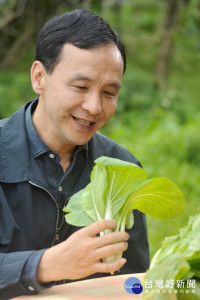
15, 90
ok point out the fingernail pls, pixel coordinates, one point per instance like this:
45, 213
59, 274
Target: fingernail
123, 260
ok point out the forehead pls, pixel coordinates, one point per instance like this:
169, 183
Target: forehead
104, 58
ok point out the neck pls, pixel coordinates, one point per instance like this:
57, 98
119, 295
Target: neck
65, 160
65, 151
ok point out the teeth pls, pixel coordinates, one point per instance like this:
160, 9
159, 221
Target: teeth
82, 122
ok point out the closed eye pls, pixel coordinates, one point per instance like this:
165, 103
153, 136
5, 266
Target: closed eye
110, 94
80, 87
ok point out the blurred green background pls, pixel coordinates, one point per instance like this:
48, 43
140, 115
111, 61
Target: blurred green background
158, 113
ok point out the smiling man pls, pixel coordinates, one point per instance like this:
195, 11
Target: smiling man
78, 97
48, 148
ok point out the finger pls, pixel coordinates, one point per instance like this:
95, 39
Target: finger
110, 250
101, 225
109, 267
111, 238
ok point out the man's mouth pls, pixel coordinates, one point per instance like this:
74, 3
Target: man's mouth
83, 122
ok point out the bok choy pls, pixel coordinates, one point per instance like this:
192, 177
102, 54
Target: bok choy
117, 188
178, 259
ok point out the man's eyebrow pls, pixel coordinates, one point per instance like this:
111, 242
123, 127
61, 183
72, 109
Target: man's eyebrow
80, 76
116, 85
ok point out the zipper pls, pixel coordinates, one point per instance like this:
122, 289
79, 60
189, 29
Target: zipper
56, 234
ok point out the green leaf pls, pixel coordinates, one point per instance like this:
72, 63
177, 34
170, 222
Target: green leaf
93, 199
178, 258
157, 197
78, 219
112, 181
173, 266
187, 243
129, 221
74, 203
117, 188
76, 216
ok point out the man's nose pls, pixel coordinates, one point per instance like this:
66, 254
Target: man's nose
92, 104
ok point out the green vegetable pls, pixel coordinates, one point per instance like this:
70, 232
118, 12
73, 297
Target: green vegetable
178, 258
116, 189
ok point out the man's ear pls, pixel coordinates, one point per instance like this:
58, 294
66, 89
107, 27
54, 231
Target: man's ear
38, 77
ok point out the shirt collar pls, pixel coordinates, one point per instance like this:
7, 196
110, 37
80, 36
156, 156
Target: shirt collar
37, 145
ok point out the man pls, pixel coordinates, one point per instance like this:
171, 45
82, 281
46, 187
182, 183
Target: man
47, 152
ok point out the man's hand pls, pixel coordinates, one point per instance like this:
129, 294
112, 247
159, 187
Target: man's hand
80, 255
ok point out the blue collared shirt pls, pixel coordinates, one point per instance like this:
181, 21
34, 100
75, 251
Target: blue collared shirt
26, 164
49, 161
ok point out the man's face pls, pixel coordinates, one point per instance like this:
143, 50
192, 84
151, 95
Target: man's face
80, 95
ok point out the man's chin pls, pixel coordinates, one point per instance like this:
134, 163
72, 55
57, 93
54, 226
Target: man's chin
81, 141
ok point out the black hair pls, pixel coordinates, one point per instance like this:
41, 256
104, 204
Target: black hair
81, 28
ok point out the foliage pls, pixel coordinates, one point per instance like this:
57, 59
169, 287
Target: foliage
117, 188
14, 90
178, 258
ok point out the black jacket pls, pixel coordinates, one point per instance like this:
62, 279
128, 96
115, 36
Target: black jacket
29, 214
